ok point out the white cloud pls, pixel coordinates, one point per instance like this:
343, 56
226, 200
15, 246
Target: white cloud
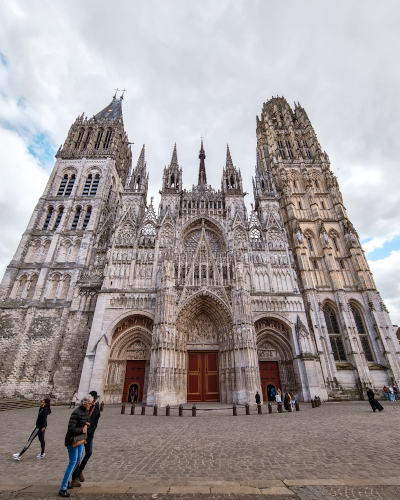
377, 242
22, 183
386, 275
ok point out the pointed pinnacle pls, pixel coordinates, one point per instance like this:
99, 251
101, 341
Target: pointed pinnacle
174, 159
229, 163
141, 162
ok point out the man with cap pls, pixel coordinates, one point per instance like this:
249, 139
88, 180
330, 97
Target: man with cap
94, 415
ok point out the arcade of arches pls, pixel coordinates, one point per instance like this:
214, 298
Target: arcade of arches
205, 341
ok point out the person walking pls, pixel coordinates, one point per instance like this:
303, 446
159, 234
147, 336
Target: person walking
132, 395
258, 399
77, 427
391, 394
375, 405
286, 401
40, 428
94, 415
136, 395
396, 393
74, 400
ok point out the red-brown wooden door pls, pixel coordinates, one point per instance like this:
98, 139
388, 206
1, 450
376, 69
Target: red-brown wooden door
134, 375
203, 377
269, 373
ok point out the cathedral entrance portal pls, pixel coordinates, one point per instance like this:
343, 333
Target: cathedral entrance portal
134, 379
269, 373
203, 377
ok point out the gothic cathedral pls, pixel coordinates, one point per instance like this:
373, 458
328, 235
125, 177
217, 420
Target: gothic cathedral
198, 300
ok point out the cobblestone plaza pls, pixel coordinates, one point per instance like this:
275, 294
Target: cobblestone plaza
339, 450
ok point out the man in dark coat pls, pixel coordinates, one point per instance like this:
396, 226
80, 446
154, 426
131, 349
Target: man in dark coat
258, 399
94, 415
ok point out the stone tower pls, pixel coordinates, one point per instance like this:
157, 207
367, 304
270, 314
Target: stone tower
349, 321
49, 290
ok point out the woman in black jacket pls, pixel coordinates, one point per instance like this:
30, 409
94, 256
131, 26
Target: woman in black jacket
375, 405
40, 427
77, 426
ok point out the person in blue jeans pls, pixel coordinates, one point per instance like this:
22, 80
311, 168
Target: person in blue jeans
77, 425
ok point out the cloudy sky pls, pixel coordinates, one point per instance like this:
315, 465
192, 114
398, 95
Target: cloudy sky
205, 68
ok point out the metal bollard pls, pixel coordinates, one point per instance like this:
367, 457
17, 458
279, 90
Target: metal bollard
247, 409
143, 410
132, 409
123, 409
193, 410
269, 408
312, 403
234, 410
167, 409
259, 409
181, 410
102, 406
290, 406
297, 406
280, 407
155, 410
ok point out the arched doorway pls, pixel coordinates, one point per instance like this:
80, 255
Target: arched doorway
275, 357
134, 394
129, 360
204, 325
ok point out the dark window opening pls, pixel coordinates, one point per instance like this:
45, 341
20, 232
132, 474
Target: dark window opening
366, 348
109, 195
59, 216
289, 149
79, 140
87, 139
341, 264
281, 149
70, 185
300, 205
107, 140
48, 218
322, 205
62, 185
294, 184
310, 246
232, 182
88, 183
358, 321
315, 264
76, 218
330, 320
338, 349
87, 218
335, 244
98, 140
95, 184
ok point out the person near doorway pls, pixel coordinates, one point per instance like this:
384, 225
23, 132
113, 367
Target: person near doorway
132, 395
74, 400
278, 399
77, 427
273, 392
258, 399
40, 428
375, 405
396, 393
94, 415
286, 401
293, 401
136, 395
391, 393
387, 392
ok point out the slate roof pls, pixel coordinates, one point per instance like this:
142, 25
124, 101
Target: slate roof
112, 112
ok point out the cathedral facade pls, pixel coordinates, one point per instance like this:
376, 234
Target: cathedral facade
199, 300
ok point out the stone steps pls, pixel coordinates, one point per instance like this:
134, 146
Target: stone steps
17, 404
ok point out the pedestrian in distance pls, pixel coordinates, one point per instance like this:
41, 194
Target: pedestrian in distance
75, 439
136, 396
396, 393
258, 399
286, 401
391, 393
40, 428
375, 405
74, 400
387, 392
293, 401
278, 399
94, 415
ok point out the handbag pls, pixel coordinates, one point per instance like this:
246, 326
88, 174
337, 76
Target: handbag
78, 440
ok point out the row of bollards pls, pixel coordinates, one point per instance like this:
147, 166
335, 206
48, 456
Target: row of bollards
314, 402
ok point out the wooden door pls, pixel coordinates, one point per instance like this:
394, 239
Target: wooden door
134, 375
269, 373
203, 377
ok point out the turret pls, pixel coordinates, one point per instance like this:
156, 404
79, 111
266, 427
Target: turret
231, 176
172, 176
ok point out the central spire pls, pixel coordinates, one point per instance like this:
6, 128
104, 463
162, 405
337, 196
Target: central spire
202, 167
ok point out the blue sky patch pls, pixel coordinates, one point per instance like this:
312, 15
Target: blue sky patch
43, 149
3, 60
385, 250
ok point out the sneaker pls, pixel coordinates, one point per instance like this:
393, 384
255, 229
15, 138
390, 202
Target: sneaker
16, 456
63, 493
41, 455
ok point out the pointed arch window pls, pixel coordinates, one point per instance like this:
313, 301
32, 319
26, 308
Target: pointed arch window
289, 149
322, 205
48, 218
335, 244
306, 149
281, 149
255, 234
300, 207
79, 140
95, 185
63, 183
107, 140
76, 218
32, 286
334, 334
310, 245
341, 264
295, 184
88, 183
362, 333
59, 217
315, 264
70, 185
87, 218
88, 135
98, 139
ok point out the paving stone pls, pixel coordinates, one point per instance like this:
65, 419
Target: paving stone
235, 490
189, 489
276, 490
